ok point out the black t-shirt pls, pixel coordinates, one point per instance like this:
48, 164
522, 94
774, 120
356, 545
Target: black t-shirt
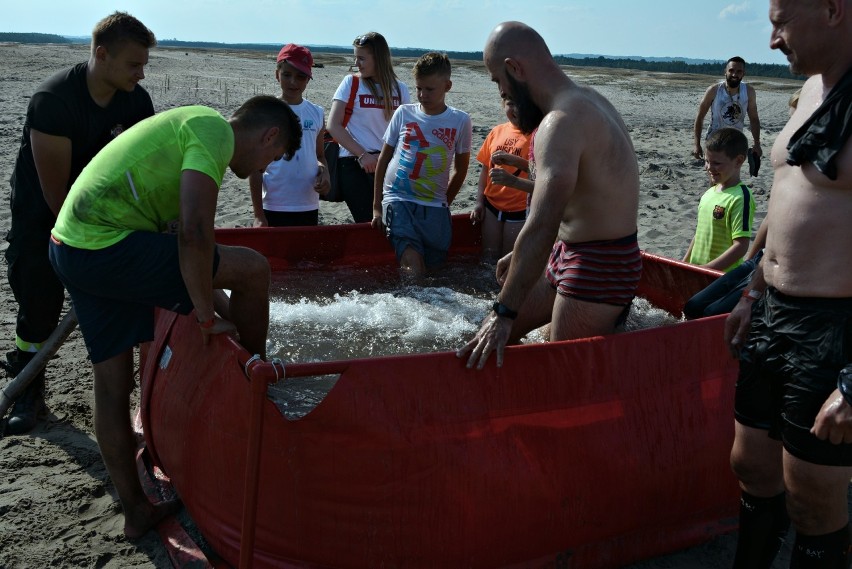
62, 106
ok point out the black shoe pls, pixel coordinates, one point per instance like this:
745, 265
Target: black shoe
30, 404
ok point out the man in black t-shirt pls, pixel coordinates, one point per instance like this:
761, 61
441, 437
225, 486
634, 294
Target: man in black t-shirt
69, 119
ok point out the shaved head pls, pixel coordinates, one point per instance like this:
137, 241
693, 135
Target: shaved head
518, 60
514, 40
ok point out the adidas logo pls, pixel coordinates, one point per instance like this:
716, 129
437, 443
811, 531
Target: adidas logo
445, 135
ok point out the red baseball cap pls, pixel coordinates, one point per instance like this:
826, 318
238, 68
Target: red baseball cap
297, 56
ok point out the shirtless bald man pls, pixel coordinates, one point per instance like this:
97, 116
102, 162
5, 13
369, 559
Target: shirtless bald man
585, 201
793, 328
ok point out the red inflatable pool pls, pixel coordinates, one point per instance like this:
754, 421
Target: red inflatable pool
591, 453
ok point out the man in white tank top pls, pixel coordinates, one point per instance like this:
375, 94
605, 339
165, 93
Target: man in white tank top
728, 102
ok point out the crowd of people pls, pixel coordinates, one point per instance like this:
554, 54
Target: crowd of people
122, 218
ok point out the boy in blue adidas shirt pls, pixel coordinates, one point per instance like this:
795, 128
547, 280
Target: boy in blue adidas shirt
413, 188
726, 210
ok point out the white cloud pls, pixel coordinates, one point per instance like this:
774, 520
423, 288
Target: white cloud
733, 10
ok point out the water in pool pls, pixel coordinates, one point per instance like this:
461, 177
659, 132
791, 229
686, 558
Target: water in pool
322, 315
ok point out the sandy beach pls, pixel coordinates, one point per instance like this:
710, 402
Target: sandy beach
57, 507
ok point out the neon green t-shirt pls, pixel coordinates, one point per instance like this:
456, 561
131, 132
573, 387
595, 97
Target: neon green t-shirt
133, 184
722, 217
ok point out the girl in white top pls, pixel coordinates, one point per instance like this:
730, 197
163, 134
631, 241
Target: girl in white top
379, 93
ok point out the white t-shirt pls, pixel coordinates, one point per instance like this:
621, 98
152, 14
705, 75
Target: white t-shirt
728, 110
367, 123
425, 147
288, 185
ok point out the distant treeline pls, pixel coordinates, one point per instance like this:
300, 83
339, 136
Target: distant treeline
677, 66
674, 66
33, 38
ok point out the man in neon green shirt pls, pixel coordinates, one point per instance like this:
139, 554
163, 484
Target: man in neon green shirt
114, 248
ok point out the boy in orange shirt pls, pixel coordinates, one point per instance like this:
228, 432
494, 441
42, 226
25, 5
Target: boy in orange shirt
501, 200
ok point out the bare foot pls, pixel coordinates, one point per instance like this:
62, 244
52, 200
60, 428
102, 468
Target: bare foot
146, 517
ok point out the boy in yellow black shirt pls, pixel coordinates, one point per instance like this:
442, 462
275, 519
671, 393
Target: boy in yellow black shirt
726, 210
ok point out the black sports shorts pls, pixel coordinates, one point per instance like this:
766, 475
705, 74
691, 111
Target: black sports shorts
789, 366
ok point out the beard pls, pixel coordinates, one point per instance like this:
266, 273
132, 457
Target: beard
733, 83
528, 114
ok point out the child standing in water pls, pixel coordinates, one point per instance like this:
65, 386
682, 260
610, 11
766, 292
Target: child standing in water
413, 187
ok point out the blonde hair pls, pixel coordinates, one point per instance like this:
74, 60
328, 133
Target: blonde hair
794, 99
433, 63
383, 85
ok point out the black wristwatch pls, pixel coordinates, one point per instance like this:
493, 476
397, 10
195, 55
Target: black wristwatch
844, 383
501, 309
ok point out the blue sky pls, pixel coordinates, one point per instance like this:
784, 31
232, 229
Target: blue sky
705, 29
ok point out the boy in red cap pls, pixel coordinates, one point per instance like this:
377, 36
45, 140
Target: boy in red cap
287, 193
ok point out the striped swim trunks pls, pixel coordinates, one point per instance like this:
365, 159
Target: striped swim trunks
597, 271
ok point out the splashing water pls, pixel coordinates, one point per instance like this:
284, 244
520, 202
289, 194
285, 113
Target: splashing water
320, 315
384, 316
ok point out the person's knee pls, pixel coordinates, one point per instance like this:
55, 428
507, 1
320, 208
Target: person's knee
693, 309
798, 510
242, 269
809, 510
412, 261
258, 275
758, 477
257, 268
744, 469
816, 507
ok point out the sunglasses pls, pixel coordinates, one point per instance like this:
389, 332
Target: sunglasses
361, 41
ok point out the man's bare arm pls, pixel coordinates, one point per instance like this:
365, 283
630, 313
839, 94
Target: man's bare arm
754, 120
198, 195
703, 107
759, 239
52, 155
738, 321
558, 158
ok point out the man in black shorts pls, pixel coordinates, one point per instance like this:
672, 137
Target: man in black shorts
69, 119
114, 249
792, 329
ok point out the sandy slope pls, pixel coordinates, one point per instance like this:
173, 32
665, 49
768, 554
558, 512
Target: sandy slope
56, 505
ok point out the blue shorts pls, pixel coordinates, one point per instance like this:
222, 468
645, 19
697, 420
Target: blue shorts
789, 366
426, 229
114, 290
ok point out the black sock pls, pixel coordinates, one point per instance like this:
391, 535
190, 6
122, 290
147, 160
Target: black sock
763, 527
829, 551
